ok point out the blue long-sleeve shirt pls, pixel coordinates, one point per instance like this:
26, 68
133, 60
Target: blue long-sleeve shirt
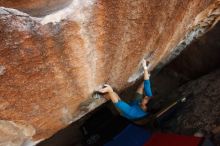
147, 88
133, 110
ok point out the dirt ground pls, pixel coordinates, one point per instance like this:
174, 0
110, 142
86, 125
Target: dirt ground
201, 112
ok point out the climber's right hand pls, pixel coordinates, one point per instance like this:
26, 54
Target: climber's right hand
144, 64
106, 89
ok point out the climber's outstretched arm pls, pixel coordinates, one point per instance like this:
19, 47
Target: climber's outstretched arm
112, 95
127, 110
146, 72
147, 88
147, 85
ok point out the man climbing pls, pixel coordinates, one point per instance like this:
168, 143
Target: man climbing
138, 107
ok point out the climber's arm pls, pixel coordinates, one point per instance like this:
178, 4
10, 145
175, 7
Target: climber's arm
121, 105
146, 73
112, 95
147, 85
127, 110
147, 88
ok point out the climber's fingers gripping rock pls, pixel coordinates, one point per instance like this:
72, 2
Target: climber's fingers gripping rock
106, 89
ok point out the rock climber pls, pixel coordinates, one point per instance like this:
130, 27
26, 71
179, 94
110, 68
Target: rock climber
138, 107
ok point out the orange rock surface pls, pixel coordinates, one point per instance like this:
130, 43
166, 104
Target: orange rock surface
35, 7
49, 66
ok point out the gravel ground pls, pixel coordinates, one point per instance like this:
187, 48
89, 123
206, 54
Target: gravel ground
201, 112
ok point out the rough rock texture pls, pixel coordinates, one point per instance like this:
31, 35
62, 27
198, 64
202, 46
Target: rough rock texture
201, 110
50, 66
200, 57
35, 7
13, 134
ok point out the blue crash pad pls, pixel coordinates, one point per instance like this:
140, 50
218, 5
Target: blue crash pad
132, 135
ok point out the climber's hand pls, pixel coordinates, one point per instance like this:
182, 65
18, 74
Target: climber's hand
106, 89
144, 64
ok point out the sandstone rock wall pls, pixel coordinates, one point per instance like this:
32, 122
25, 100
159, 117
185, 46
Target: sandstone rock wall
50, 66
35, 7
200, 57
